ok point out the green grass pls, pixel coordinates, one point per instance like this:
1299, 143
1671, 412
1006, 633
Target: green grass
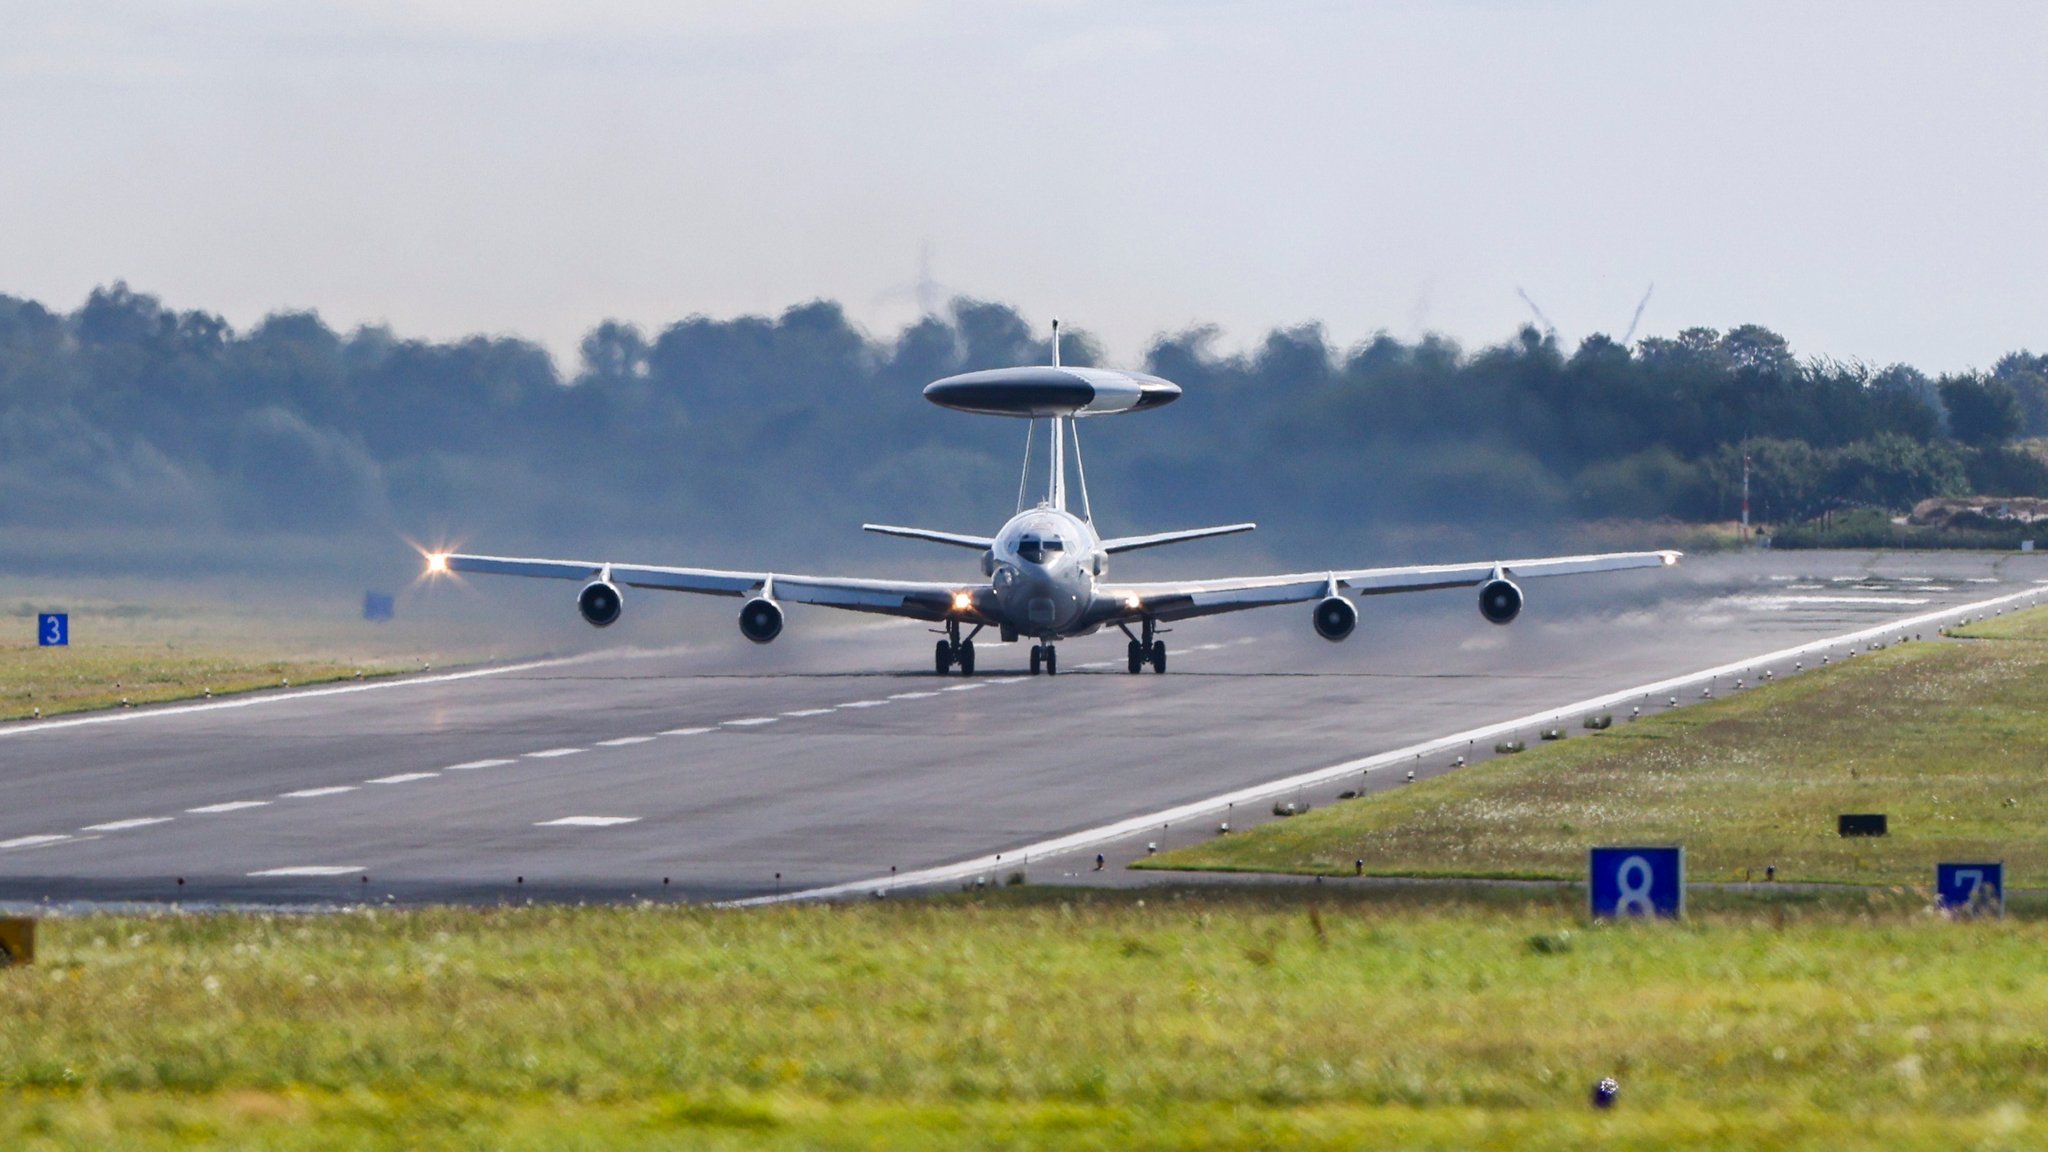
1949, 739
162, 650
1317, 1018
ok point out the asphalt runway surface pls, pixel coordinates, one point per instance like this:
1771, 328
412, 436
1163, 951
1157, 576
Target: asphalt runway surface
834, 756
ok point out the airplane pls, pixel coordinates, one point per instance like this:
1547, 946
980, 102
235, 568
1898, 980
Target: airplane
1044, 573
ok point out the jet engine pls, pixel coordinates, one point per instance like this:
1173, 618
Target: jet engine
1500, 601
599, 603
1335, 617
761, 620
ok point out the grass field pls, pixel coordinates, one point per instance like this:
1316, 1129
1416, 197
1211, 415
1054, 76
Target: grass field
1950, 739
1338, 1017
157, 649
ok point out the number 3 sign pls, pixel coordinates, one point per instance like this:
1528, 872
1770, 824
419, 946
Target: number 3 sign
53, 630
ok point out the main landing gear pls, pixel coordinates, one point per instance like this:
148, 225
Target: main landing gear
1145, 651
1044, 656
953, 651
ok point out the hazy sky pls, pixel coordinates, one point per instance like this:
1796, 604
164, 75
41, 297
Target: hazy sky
1870, 179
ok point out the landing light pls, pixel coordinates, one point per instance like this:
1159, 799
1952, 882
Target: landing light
1132, 602
963, 601
437, 563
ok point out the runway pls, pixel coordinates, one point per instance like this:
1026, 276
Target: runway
724, 771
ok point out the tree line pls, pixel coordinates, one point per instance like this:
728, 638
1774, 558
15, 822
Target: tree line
773, 430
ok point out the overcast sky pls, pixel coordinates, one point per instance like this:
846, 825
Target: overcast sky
1869, 179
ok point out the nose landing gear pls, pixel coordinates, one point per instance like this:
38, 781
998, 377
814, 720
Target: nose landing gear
1044, 656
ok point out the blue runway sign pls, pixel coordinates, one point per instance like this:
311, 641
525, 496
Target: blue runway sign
1971, 887
53, 629
1636, 882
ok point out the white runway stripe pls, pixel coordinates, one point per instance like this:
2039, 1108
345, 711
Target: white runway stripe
309, 793
230, 806
586, 822
750, 722
623, 741
474, 764
124, 825
31, 841
311, 870
685, 731
551, 753
403, 778
811, 712
913, 695
865, 704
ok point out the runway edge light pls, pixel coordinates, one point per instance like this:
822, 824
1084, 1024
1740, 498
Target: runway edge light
17, 941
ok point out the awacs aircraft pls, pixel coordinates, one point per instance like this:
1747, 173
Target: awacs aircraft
1045, 573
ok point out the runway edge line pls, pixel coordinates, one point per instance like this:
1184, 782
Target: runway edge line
1021, 857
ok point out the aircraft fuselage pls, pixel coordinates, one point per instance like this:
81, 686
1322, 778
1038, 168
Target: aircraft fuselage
1042, 569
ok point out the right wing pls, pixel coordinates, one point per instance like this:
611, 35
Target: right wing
1185, 599
916, 599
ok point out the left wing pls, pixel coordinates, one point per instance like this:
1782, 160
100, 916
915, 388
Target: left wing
1185, 599
919, 600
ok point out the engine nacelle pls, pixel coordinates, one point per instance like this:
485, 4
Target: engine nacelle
1334, 618
599, 603
1500, 601
761, 620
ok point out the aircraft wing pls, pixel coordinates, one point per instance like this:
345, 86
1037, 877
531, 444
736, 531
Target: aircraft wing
919, 600
1182, 600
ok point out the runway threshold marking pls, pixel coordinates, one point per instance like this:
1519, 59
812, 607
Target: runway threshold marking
586, 822
230, 806
311, 870
310, 793
1019, 857
403, 778
124, 825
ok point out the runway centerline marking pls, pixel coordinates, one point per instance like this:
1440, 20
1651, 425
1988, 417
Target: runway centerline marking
968, 687
551, 753
864, 704
309, 793
475, 764
685, 731
913, 695
31, 841
810, 712
403, 778
623, 741
124, 825
311, 870
750, 722
230, 806
586, 821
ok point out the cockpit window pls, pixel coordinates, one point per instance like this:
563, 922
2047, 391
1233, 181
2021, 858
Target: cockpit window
1039, 549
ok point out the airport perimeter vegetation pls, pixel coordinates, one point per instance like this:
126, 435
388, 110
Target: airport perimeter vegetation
1455, 1014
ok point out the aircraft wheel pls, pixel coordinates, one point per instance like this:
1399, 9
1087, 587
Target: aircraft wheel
1134, 656
1037, 658
942, 657
966, 657
1052, 661
1159, 655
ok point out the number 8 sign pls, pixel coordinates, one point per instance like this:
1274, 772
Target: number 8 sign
1636, 882
53, 630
